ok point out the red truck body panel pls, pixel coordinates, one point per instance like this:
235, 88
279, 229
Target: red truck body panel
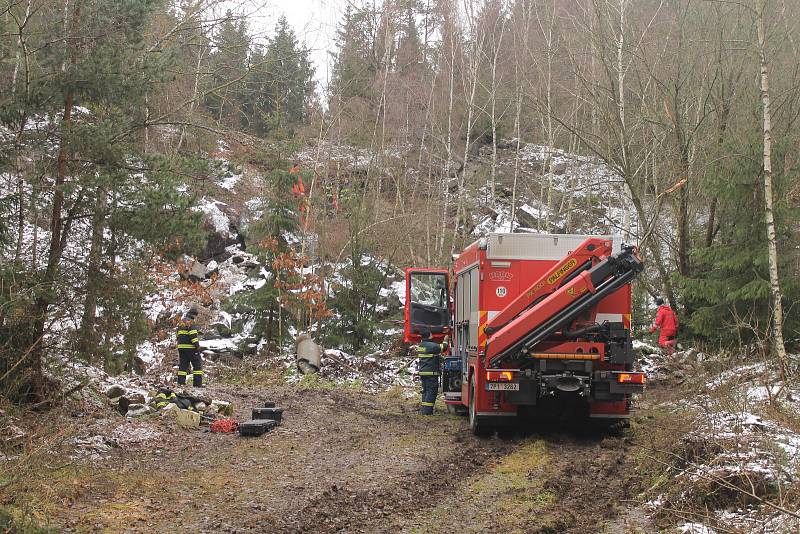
503, 276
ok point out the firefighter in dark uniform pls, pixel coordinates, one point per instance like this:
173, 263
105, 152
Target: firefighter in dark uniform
428, 366
189, 350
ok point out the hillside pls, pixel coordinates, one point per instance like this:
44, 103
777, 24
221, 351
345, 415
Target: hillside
207, 209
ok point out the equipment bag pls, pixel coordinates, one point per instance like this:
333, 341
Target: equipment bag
276, 414
256, 427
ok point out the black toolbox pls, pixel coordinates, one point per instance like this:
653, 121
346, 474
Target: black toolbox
275, 414
256, 427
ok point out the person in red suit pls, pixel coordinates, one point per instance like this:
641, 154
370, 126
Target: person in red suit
299, 191
667, 324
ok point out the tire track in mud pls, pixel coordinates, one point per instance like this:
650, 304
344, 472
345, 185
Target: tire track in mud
348, 461
576, 485
348, 509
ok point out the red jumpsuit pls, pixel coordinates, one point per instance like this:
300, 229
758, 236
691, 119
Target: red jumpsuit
299, 191
667, 324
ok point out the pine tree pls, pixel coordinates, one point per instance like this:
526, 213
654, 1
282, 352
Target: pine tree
355, 64
229, 65
732, 283
410, 54
92, 94
291, 79
272, 235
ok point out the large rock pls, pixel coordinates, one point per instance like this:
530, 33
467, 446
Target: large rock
115, 391
136, 410
135, 398
216, 246
192, 269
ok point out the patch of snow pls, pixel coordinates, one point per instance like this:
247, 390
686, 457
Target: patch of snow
695, 528
149, 353
217, 219
737, 372
219, 345
397, 289
229, 182
225, 318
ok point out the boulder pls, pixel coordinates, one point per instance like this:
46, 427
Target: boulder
138, 365
135, 398
192, 269
115, 391
136, 410
525, 219
122, 405
221, 329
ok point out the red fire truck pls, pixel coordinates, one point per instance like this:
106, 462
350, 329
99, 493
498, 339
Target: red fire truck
538, 324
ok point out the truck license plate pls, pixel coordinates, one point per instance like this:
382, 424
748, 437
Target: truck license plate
502, 386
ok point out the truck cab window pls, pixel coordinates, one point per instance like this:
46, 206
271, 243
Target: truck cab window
429, 301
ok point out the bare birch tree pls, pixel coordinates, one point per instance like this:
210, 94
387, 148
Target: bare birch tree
772, 246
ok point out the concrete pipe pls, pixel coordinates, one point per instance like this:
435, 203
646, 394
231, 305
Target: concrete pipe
309, 355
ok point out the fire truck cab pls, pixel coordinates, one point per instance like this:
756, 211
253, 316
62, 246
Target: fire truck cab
537, 323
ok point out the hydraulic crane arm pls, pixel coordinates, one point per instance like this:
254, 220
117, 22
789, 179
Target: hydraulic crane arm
582, 258
561, 307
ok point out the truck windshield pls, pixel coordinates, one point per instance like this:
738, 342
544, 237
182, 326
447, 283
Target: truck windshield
429, 289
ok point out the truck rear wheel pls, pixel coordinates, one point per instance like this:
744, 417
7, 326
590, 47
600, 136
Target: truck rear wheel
478, 427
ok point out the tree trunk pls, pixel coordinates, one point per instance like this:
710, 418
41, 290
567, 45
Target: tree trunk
57, 225
86, 337
774, 279
449, 162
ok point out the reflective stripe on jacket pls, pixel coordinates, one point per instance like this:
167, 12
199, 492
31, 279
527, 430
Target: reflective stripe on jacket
188, 336
428, 359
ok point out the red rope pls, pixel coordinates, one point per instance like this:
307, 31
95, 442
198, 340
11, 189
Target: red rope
224, 425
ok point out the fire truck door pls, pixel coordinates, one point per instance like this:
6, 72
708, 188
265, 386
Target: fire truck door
427, 307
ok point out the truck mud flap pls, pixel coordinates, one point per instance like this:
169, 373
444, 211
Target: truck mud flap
526, 396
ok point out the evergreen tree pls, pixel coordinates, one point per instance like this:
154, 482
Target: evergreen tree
355, 65
290, 80
410, 53
272, 235
229, 65
732, 283
92, 94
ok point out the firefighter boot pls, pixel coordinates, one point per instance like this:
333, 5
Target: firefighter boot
197, 379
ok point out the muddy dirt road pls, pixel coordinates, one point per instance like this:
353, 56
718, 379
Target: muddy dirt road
347, 461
